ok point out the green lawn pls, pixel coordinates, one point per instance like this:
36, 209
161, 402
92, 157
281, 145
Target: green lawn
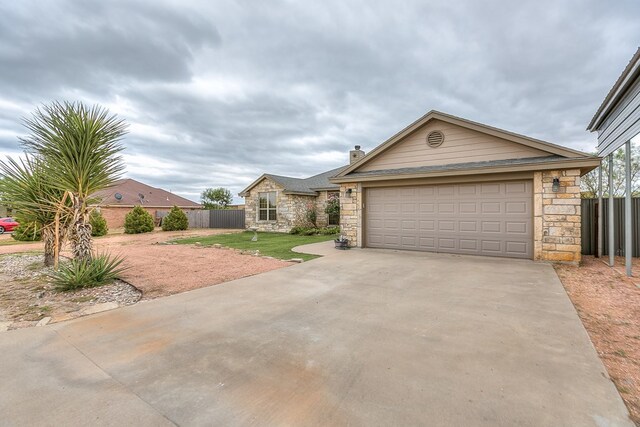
277, 245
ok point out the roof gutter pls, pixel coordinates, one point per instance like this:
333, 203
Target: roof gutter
585, 165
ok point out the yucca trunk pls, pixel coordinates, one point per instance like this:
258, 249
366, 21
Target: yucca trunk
81, 231
49, 238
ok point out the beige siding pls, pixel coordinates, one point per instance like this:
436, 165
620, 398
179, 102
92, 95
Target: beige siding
460, 146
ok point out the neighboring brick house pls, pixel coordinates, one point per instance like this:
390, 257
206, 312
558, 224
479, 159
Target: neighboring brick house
117, 200
446, 184
278, 203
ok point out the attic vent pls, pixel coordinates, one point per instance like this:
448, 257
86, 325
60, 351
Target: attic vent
435, 139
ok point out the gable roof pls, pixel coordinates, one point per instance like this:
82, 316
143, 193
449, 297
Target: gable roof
304, 186
130, 189
552, 149
631, 71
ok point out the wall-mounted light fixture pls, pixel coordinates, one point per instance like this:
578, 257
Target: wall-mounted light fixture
556, 185
348, 192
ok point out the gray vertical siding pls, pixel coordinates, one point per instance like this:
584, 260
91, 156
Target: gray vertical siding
590, 232
622, 124
227, 218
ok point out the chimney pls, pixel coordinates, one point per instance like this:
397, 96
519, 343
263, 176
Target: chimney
355, 155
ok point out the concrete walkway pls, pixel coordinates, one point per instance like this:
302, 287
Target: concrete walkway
360, 337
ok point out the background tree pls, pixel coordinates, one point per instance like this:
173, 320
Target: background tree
216, 198
79, 147
589, 182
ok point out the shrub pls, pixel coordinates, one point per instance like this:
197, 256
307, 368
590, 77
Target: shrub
312, 231
176, 220
27, 232
86, 273
138, 221
98, 224
328, 231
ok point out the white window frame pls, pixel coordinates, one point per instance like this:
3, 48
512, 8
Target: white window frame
268, 209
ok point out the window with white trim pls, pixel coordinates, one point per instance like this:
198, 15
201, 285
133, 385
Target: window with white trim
267, 206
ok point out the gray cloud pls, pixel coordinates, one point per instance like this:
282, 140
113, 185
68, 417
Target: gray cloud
218, 92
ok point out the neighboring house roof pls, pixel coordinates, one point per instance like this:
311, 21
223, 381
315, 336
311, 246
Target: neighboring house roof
631, 71
555, 152
131, 191
304, 186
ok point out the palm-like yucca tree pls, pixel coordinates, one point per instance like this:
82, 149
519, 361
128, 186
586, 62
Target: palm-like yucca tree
79, 147
27, 189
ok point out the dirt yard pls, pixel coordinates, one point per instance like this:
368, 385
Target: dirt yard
608, 303
155, 269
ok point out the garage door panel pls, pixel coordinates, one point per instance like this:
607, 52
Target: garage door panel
517, 207
491, 226
485, 219
517, 227
469, 245
468, 226
468, 207
491, 207
446, 226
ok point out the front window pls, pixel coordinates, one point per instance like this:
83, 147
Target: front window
267, 206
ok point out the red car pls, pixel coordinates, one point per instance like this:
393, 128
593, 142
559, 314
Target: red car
7, 224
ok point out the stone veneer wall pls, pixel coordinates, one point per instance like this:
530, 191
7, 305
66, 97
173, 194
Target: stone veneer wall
288, 208
351, 213
557, 217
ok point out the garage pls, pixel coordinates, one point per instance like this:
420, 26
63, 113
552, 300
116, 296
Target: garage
452, 185
490, 219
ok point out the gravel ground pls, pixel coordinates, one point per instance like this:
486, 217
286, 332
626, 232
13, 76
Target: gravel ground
27, 296
156, 269
608, 303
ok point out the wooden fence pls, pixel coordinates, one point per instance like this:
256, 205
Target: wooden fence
219, 218
590, 231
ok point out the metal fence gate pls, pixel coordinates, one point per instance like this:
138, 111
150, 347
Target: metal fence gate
226, 218
589, 210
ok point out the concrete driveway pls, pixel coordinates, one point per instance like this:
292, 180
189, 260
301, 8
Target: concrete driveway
356, 338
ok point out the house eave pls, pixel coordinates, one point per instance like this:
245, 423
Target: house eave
617, 92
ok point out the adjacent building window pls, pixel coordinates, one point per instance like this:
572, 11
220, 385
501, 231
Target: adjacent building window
267, 206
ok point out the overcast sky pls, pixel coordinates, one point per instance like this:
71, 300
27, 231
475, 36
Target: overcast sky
218, 92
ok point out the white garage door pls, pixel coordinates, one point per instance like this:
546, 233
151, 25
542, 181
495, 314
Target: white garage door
491, 219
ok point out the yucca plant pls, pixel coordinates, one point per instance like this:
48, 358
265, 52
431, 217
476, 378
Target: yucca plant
81, 273
27, 188
79, 147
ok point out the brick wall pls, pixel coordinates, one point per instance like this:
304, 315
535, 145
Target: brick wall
557, 216
114, 215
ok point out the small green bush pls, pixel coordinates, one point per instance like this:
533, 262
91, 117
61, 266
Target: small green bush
176, 220
138, 221
98, 224
27, 232
77, 274
311, 231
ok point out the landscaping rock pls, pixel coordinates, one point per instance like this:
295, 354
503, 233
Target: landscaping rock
298, 260
43, 321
